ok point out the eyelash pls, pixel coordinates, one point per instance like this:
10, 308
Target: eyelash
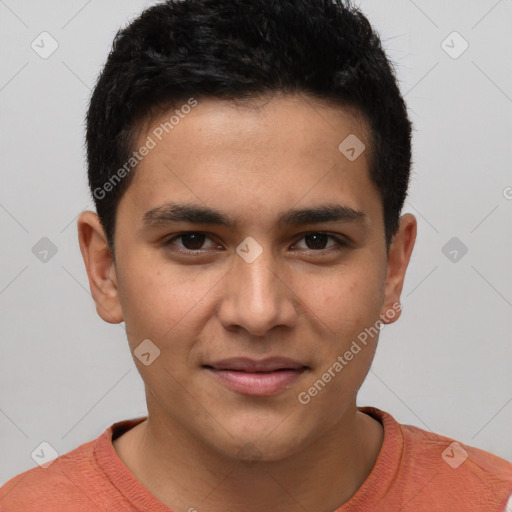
341, 242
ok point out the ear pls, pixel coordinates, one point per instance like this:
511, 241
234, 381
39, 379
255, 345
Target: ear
100, 267
399, 254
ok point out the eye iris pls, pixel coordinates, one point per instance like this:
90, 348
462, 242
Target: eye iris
196, 240
319, 240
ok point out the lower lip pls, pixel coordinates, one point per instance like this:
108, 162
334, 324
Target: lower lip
259, 383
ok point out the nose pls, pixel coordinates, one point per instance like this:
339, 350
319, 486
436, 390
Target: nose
257, 297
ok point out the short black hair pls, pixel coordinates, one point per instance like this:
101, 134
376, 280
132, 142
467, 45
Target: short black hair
239, 50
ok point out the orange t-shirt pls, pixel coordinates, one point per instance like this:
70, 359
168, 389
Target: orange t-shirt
416, 471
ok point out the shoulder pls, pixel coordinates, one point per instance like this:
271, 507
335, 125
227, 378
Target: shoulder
454, 454
424, 471
456, 469
41, 489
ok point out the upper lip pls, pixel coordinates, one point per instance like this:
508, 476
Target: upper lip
247, 364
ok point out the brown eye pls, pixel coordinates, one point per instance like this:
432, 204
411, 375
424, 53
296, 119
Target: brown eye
317, 241
190, 242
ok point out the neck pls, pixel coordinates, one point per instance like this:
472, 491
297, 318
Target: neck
186, 474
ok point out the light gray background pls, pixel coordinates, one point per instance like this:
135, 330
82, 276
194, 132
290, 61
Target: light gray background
65, 375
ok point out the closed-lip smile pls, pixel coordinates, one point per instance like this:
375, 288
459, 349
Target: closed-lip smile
264, 377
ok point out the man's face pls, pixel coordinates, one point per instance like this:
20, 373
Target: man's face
248, 316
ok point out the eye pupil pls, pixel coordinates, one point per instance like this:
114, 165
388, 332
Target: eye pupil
196, 240
319, 240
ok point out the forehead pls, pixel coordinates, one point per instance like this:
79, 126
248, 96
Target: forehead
296, 118
273, 151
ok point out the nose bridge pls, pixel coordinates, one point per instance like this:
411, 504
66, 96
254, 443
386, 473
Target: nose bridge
257, 282
256, 299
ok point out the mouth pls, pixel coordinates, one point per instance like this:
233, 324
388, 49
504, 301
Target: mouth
257, 378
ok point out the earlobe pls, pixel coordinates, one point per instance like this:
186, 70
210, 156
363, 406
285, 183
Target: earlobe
100, 267
399, 255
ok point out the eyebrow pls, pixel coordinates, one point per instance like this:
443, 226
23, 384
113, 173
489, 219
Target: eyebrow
197, 214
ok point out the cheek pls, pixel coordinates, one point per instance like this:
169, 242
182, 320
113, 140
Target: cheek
347, 302
156, 299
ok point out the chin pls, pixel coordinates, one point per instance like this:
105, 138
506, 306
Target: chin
251, 453
270, 444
